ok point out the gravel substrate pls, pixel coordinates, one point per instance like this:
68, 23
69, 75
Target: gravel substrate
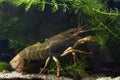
16, 75
108, 78
101, 78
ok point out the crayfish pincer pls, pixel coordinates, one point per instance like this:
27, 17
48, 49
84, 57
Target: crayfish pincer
56, 46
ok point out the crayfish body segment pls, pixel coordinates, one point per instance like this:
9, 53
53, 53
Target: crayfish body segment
52, 47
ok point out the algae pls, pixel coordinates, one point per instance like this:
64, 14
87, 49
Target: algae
4, 66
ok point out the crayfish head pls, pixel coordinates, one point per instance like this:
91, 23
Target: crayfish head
17, 63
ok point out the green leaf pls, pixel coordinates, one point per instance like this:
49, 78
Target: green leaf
42, 5
55, 7
1, 1
53, 1
64, 8
17, 2
29, 5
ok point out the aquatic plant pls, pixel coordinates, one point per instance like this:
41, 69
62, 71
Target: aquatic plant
100, 17
5, 67
69, 69
95, 15
15, 28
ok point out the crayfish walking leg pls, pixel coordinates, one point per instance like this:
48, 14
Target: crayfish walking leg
58, 66
46, 63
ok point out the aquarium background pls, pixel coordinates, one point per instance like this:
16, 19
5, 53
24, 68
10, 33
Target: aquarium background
21, 27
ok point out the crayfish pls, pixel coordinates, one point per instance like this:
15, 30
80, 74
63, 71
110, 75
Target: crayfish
56, 46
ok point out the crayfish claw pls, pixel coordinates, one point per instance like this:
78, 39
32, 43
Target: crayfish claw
74, 51
67, 51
